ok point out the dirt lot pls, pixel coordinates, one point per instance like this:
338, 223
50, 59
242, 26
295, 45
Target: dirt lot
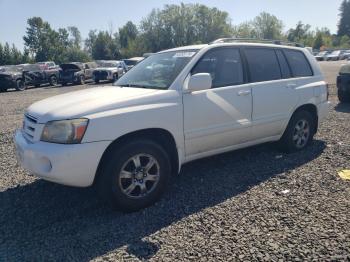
252, 204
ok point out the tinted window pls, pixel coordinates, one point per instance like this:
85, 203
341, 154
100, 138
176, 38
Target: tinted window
224, 65
263, 64
298, 63
283, 64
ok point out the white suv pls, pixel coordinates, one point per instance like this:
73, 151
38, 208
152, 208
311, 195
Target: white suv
175, 106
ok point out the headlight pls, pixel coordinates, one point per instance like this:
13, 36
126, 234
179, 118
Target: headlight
65, 131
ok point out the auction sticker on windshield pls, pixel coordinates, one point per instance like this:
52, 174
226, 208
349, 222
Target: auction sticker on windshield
184, 54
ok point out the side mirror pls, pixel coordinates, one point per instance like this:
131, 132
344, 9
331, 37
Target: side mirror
198, 82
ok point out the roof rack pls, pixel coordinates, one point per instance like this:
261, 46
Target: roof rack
256, 40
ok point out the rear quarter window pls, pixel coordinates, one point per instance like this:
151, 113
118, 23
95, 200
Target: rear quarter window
299, 64
263, 64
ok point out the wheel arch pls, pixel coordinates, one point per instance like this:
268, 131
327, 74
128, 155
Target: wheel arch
161, 136
312, 109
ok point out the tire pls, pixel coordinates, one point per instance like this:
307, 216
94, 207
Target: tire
97, 81
63, 84
344, 97
125, 192
115, 78
53, 80
37, 85
82, 80
20, 85
296, 137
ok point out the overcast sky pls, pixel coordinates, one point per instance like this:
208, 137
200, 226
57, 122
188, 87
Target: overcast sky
99, 14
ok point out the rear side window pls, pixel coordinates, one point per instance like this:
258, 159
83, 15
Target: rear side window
285, 71
263, 64
224, 65
298, 63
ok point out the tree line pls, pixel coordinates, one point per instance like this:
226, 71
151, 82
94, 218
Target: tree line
172, 26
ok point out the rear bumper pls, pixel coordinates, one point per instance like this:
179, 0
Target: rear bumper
72, 165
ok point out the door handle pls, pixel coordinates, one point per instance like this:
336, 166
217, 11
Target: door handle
243, 92
291, 85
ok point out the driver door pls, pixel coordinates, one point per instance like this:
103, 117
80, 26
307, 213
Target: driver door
218, 118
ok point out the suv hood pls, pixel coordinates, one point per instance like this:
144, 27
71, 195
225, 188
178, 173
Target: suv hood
86, 102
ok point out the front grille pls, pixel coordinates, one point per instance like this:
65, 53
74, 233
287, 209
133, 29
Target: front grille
29, 127
101, 75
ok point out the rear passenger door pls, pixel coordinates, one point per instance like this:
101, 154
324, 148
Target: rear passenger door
273, 90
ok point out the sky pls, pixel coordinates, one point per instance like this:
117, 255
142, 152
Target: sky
105, 14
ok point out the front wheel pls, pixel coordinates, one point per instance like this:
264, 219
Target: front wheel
82, 80
53, 80
299, 133
20, 85
135, 175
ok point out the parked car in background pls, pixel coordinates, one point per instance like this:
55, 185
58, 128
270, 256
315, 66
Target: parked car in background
321, 55
130, 138
11, 77
343, 84
48, 65
109, 70
131, 62
75, 73
345, 55
36, 75
334, 56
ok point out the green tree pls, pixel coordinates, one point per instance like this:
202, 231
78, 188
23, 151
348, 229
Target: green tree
185, 24
344, 23
127, 34
105, 47
75, 37
7, 60
2, 62
299, 33
245, 30
268, 26
318, 43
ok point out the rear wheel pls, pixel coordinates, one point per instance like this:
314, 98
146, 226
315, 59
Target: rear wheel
299, 133
20, 85
135, 175
344, 97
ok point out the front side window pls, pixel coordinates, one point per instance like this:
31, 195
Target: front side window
263, 64
158, 71
298, 63
224, 65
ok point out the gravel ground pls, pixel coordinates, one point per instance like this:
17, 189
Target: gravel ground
253, 204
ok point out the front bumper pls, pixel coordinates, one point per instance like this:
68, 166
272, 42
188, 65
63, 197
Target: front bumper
7, 83
72, 165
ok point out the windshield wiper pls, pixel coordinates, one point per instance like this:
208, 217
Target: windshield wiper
133, 85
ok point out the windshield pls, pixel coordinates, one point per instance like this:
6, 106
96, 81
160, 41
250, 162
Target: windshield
109, 64
130, 62
9, 69
31, 68
157, 71
335, 53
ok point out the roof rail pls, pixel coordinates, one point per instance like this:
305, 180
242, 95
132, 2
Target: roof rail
256, 40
